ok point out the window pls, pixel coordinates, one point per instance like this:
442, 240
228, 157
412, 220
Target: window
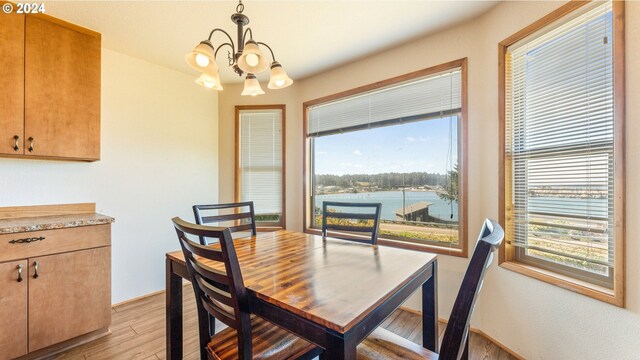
260, 163
400, 143
563, 154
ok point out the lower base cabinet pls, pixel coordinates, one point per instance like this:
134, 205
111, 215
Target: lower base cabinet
71, 296
59, 291
13, 309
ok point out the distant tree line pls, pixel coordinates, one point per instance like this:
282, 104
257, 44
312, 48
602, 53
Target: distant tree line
385, 180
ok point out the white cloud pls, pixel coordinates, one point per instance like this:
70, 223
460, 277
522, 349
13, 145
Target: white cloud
357, 153
423, 139
411, 139
321, 153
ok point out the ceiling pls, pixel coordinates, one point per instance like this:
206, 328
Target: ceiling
306, 36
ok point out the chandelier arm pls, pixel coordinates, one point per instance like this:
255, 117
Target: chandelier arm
228, 36
273, 57
220, 47
248, 30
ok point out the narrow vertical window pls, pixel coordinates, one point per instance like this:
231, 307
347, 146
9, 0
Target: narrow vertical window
260, 162
561, 150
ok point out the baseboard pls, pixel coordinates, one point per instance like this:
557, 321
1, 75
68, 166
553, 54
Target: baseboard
473, 330
50, 351
137, 298
142, 297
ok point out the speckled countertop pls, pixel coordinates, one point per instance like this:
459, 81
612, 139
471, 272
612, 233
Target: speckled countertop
18, 225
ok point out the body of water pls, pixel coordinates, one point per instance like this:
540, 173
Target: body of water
392, 201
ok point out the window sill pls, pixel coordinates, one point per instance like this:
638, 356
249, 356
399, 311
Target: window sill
614, 297
410, 246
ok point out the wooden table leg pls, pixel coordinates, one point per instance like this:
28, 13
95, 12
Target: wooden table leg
338, 348
173, 295
430, 311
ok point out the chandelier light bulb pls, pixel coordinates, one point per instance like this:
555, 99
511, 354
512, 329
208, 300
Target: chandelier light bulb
252, 59
252, 86
202, 60
279, 78
209, 81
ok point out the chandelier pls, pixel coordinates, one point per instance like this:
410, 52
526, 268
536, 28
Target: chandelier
247, 58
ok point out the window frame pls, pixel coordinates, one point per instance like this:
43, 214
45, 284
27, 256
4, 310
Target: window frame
507, 253
238, 178
462, 250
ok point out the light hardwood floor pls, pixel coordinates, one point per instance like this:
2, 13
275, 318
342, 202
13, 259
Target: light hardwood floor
138, 332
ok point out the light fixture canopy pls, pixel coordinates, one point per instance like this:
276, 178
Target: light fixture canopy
251, 86
247, 58
279, 78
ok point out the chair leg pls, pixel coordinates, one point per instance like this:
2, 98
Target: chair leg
212, 325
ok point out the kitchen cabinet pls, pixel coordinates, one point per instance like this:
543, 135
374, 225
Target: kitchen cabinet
13, 309
53, 81
11, 83
55, 282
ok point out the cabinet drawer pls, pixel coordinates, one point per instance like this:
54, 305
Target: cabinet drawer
55, 241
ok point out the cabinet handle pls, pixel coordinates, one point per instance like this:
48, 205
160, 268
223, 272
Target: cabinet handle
19, 273
30, 144
35, 264
26, 240
16, 147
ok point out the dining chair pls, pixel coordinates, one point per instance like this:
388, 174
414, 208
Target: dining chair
383, 344
247, 218
221, 293
359, 218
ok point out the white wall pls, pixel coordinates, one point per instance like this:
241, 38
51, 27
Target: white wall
535, 319
159, 157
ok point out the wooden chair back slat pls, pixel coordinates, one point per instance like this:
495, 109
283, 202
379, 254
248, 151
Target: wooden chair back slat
201, 250
241, 228
199, 212
364, 222
354, 216
351, 228
209, 274
226, 217
218, 312
206, 280
215, 293
457, 331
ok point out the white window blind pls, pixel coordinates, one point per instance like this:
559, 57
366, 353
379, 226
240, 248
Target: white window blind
560, 133
435, 96
260, 160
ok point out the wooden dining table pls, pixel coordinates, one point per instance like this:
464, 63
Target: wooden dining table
330, 292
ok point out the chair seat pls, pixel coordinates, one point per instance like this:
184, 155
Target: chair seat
269, 342
383, 344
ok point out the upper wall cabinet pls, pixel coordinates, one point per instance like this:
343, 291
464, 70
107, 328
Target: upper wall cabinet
11, 83
54, 110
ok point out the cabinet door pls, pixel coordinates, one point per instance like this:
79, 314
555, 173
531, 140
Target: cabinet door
71, 295
13, 309
11, 82
62, 94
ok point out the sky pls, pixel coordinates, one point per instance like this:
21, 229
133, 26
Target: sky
415, 147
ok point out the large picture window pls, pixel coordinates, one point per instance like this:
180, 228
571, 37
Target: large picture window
562, 168
399, 143
260, 162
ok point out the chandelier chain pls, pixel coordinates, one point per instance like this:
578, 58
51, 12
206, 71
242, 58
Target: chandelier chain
240, 7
